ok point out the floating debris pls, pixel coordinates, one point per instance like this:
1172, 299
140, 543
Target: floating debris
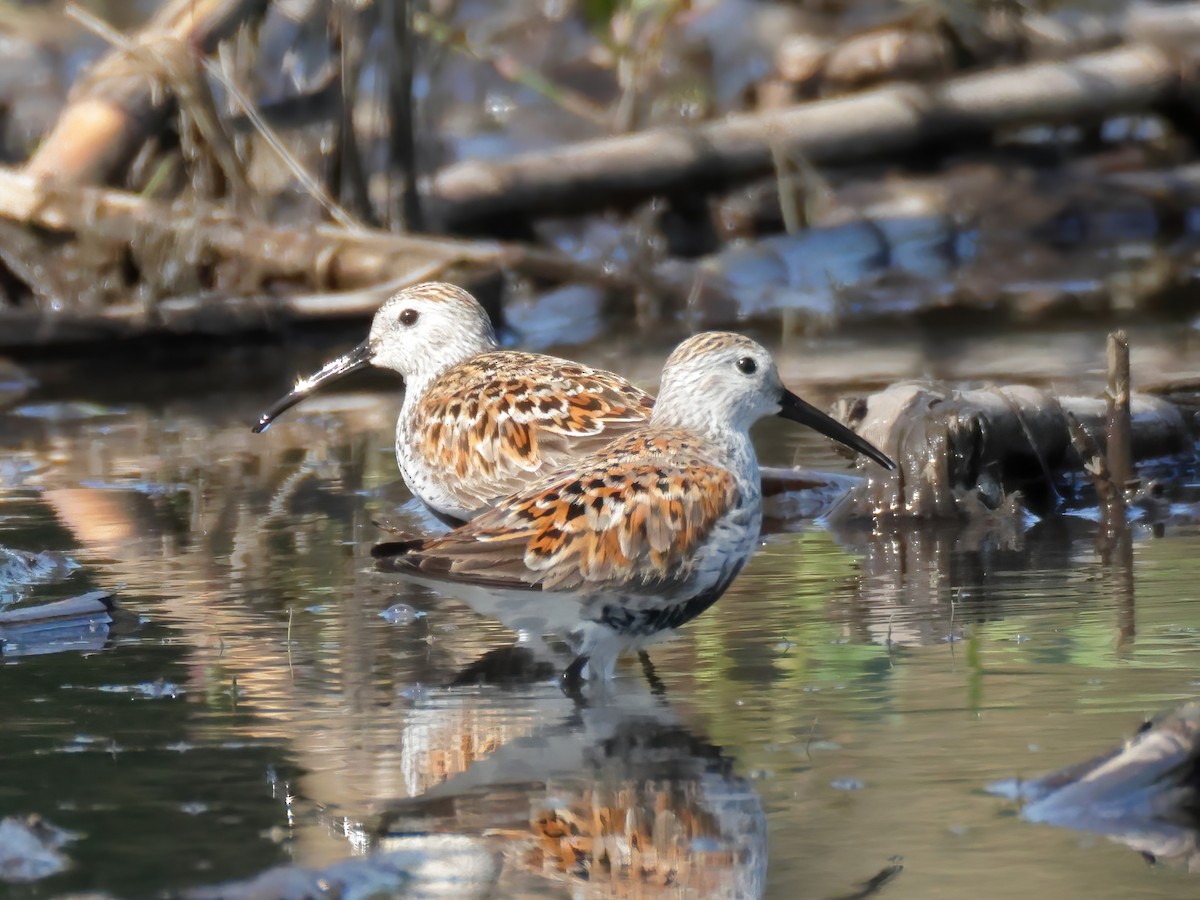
401, 614
1142, 794
15, 383
29, 849
17, 468
78, 623
76, 411
796, 495
23, 569
444, 865
151, 690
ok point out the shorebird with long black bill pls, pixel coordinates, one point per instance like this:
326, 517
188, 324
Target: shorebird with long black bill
477, 423
644, 534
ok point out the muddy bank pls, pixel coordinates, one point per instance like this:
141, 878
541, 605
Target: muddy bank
188, 176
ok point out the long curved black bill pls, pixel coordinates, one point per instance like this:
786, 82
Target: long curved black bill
358, 358
792, 407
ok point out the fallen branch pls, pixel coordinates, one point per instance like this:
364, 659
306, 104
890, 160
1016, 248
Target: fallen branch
1141, 793
119, 103
173, 245
345, 258
237, 272
1080, 30
875, 123
921, 44
79, 623
960, 452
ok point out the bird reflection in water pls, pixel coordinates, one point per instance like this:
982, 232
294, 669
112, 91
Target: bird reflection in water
613, 793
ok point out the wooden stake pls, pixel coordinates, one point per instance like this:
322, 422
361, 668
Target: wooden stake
1120, 427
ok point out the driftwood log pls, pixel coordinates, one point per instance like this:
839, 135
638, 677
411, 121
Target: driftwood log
923, 44
79, 623
238, 272
120, 103
1143, 793
873, 124
965, 451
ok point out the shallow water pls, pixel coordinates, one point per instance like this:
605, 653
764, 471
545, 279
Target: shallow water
844, 705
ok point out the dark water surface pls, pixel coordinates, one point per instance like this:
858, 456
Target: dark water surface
842, 706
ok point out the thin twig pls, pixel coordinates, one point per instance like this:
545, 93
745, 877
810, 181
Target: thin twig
307, 181
785, 187
512, 69
1120, 427
1033, 444
403, 109
351, 185
1111, 498
310, 184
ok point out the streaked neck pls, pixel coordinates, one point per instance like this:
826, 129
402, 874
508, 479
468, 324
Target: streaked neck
440, 360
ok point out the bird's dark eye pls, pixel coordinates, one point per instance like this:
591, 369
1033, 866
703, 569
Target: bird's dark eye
408, 316
747, 366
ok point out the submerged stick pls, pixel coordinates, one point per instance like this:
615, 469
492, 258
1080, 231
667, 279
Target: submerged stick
1108, 491
93, 603
875, 883
1120, 437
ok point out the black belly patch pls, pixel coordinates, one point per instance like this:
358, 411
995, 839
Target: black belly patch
644, 621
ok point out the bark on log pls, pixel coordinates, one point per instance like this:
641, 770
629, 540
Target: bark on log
1080, 31
260, 260
875, 123
79, 623
95, 605
119, 102
270, 273
962, 452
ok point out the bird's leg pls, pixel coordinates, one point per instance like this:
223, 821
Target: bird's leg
572, 678
657, 688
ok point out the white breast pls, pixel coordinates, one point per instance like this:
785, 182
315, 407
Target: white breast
426, 483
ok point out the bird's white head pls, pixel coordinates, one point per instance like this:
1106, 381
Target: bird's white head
423, 330
419, 332
718, 381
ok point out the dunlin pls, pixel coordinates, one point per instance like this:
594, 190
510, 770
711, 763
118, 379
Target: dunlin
478, 423
647, 532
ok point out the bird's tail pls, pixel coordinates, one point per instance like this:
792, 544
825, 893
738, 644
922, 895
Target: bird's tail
396, 548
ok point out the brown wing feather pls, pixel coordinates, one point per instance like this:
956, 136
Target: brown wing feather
633, 517
505, 416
